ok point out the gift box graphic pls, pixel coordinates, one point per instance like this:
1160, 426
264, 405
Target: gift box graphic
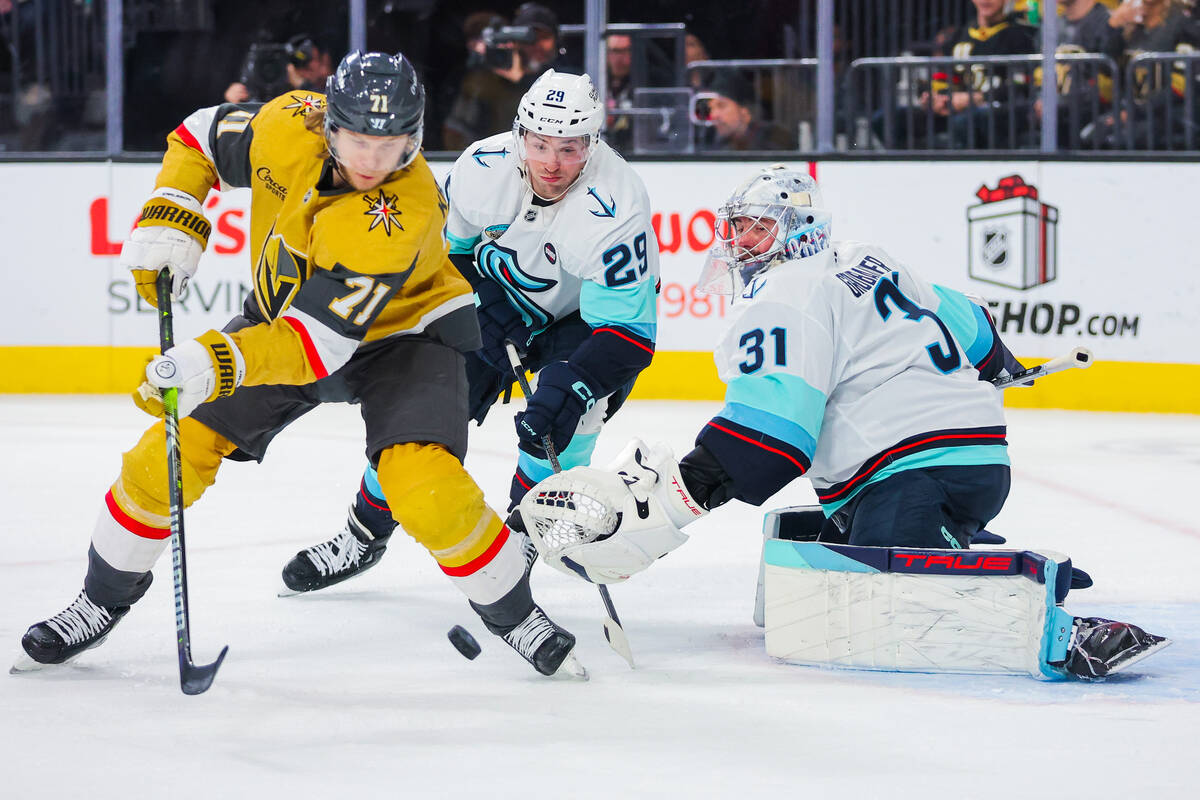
1012, 237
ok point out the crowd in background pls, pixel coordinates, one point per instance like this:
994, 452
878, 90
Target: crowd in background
477, 58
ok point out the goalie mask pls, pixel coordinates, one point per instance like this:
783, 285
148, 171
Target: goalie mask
775, 216
375, 94
558, 123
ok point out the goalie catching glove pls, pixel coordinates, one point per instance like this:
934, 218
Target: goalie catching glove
202, 369
605, 525
171, 233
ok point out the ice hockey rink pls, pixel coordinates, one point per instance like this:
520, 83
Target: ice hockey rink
356, 692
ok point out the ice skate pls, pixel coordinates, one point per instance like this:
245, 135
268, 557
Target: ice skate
1100, 647
545, 645
352, 551
68, 633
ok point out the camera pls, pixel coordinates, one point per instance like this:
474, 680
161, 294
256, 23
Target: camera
265, 70
499, 43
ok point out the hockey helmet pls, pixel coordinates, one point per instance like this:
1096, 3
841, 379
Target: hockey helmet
776, 215
559, 105
378, 95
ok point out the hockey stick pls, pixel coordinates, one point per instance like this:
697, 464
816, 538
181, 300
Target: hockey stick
193, 679
1079, 358
613, 631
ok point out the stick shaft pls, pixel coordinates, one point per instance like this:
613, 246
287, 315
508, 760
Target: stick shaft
552, 456
1079, 358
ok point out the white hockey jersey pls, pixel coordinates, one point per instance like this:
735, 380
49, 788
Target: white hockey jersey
848, 367
594, 251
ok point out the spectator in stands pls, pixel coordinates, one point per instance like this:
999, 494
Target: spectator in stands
306, 68
618, 130
545, 51
958, 106
1157, 114
694, 50
735, 125
490, 91
1084, 90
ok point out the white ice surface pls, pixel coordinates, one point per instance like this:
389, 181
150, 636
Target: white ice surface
355, 691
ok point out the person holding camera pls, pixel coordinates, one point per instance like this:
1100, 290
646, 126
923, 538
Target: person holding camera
492, 87
505, 61
271, 69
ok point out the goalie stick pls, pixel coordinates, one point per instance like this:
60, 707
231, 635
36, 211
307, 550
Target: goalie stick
613, 632
1079, 358
193, 678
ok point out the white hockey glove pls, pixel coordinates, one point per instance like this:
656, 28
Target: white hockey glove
605, 526
202, 369
171, 232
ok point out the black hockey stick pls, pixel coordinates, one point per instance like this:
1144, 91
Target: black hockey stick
1079, 358
193, 679
613, 631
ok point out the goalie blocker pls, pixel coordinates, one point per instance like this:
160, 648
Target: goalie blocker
930, 610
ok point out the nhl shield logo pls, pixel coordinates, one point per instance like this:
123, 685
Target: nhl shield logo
1012, 235
995, 247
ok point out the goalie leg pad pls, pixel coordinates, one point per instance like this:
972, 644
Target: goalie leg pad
916, 610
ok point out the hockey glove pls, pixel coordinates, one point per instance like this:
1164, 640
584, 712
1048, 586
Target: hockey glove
561, 398
605, 526
203, 369
499, 322
172, 232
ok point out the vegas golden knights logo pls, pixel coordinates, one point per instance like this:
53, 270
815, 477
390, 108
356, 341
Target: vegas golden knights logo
278, 275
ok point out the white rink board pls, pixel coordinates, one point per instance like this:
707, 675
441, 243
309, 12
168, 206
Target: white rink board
1126, 277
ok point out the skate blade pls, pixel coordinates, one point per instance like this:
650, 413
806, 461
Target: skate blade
1149, 651
25, 664
571, 669
286, 592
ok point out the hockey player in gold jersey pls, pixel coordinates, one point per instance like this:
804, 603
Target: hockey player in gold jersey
354, 300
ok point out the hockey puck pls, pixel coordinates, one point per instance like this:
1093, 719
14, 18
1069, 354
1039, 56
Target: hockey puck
463, 641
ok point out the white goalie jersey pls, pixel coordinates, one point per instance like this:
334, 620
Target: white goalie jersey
593, 251
847, 366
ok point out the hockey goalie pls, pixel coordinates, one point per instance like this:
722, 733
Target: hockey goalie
846, 366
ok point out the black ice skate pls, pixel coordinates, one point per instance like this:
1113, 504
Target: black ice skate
354, 550
1100, 647
68, 633
546, 646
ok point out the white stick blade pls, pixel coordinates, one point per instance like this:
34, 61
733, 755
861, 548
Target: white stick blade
617, 640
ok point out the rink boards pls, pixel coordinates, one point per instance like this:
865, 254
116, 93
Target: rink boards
1065, 254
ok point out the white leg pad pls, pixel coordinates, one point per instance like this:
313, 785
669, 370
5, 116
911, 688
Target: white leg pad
825, 606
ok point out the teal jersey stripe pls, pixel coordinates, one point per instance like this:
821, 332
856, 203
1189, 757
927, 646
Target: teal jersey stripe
968, 456
966, 321
788, 397
462, 246
765, 422
633, 307
576, 454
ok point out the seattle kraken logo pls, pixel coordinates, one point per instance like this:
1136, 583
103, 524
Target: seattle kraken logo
608, 209
480, 154
500, 264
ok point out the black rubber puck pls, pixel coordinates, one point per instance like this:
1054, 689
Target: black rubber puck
463, 641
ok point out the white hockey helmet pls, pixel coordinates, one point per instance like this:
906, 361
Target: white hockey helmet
559, 105
786, 206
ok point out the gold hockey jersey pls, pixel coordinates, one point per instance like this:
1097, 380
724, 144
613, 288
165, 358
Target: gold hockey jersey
332, 268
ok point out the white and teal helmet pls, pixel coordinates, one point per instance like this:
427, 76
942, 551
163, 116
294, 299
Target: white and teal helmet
777, 193
558, 104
